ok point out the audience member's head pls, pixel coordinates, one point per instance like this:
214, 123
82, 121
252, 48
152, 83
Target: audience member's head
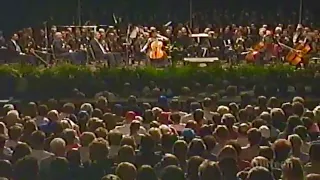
37, 140
196, 147
147, 143
15, 132
228, 152
21, 150
98, 150
126, 154
126, 171
208, 170
146, 172
58, 147
259, 173
172, 172
221, 134
313, 177
267, 152
74, 158
292, 169
26, 168
254, 136
6, 169
86, 139
314, 152
58, 168
281, 149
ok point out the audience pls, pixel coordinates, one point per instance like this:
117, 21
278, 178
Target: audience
215, 143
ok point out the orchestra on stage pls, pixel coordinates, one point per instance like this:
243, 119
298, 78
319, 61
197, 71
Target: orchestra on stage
160, 46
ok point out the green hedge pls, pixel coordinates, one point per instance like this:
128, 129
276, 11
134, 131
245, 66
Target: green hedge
60, 81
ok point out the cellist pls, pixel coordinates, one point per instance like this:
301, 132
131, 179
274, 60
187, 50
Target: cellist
269, 45
298, 56
298, 35
154, 48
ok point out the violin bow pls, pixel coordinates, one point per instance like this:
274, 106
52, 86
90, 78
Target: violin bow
288, 47
115, 20
32, 51
128, 34
168, 24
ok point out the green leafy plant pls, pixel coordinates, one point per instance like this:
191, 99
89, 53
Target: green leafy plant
61, 80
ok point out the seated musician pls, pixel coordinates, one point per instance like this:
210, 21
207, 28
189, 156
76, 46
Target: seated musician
154, 49
59, 47
269, 45
41, 40
13, 44
16, 52
61, 51
100, 52
115, 47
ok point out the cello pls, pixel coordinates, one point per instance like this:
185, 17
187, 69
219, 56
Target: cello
156, 50
298, 53
254, 53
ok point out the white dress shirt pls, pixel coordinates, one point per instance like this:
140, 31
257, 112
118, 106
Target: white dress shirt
101, 47
18, 49
125, 129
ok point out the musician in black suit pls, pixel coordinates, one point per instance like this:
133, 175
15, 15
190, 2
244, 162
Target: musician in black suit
59, 48
99, 52
13, 44
16, 53
61, 51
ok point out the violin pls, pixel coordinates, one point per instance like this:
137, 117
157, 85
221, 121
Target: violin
298, 53
156, 51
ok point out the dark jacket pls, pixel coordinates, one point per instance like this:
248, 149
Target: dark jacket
57, 46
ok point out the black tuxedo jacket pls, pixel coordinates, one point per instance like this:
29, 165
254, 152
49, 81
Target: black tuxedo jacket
12, 47
57, 46
98, 53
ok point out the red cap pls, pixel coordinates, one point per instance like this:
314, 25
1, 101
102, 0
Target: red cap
130, 116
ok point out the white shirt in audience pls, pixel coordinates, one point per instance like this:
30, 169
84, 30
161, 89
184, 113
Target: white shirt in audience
40, 120
125, 129
84, 154
40, 154
243, 141
7, 151
186, 118
189, 117
208, 115
178, 127
11, 144
113, 151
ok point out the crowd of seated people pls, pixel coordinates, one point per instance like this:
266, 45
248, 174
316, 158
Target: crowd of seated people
197, 141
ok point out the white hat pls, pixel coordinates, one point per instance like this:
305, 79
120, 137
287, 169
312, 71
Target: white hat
262, 31
265, 131
8, 106
278, 29
102, 30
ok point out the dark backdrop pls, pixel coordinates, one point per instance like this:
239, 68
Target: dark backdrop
16, 14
